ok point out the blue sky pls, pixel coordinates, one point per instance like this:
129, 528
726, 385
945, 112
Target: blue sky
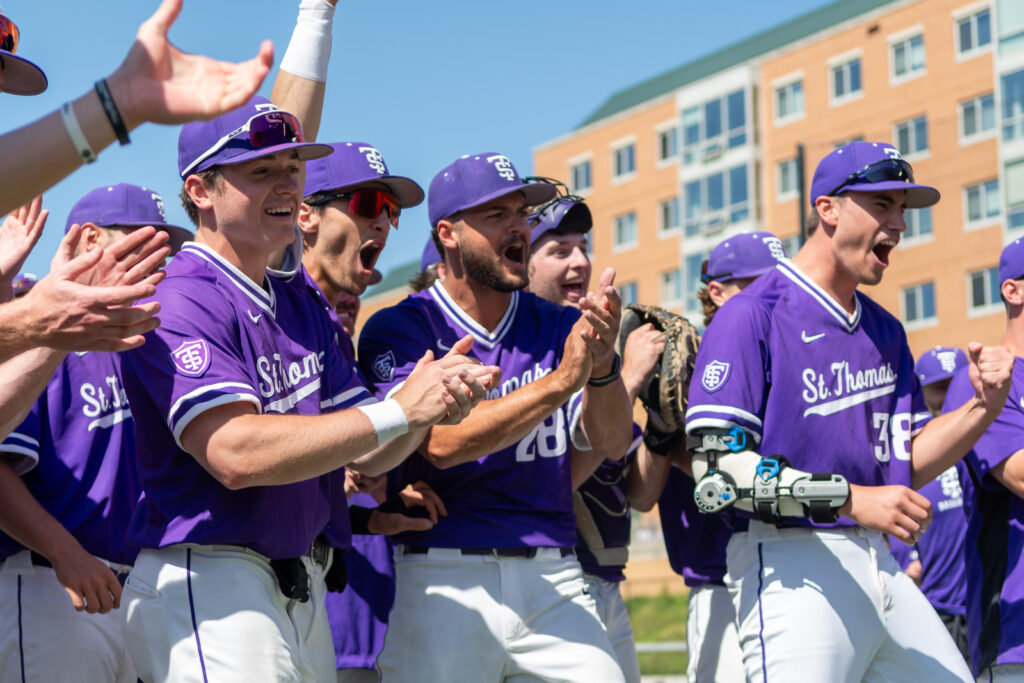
425, 82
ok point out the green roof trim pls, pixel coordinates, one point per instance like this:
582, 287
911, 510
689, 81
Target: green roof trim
733, 55
397, 277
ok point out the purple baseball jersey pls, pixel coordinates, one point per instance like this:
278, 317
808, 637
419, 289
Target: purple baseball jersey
941, 548
995, 532
602, 516
695, 541
830, 391
518, 496
224, 339
359, 614
80, 432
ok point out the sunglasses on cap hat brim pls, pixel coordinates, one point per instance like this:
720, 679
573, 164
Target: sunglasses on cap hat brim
263, 131
884, 175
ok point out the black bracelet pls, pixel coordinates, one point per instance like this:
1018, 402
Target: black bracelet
611, 376
659, 442
110, 109
359, 519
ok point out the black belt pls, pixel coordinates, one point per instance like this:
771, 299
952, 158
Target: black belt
40, 561
496, 552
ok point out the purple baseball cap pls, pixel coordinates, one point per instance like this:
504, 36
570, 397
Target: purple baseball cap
938, 364
869, 167
22, 283
562, 215
202, 144
748, 254
430, 255
1011, 261
356, 163
126, 206
476, 179
21, 77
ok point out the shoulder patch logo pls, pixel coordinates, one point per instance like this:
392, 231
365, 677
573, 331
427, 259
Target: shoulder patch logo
192, 357
384, 366
716, 374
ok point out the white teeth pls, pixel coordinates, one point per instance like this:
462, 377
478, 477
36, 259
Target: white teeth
889, 243
279, 212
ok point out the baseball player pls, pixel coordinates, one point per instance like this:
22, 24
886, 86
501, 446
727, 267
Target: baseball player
606, 488
993, 501
351, 203
497, 576
243, 400
696, 542
807, 411
68, 510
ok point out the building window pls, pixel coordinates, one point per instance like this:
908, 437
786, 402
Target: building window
670, 290
846, 79
789, 101
981, 201
919, 223
624, 161
1013, 175
715, 200
581, 181
984, 287
907, 57
668, 144
977, 116
973, 32
625, 230
918, 303
786, 180
1013, 105
668, 215
627, 292
912, 136
715, 126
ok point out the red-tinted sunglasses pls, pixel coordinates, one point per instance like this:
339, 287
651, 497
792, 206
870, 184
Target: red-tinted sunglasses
9, 35
368, 203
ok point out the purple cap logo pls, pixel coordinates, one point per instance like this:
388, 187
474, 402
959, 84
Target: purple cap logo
192, 357
384, 366
716, 374
374, 158
503, 165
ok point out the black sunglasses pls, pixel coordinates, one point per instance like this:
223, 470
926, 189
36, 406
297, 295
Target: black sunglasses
886, 169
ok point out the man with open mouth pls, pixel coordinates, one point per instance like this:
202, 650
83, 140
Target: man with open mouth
497, 576
801, 373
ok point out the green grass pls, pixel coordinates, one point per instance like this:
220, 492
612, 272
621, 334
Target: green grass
659, 618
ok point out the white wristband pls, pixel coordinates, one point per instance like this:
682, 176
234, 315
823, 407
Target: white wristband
388, 419
82, 146
309, 50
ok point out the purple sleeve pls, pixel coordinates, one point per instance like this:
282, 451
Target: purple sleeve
21, 447
731, 379
193, 362
390, 344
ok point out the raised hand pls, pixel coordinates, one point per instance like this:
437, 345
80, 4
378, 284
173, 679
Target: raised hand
602, 309
990, 369
65, 312
643, 348
158, 82
19, 233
